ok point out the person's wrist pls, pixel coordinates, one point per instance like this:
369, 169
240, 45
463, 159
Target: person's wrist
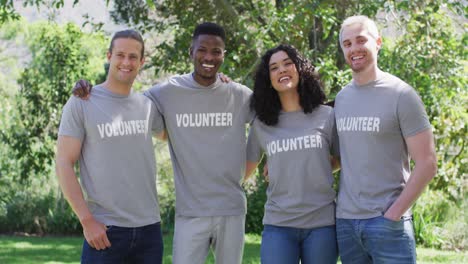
391, 216
86, 219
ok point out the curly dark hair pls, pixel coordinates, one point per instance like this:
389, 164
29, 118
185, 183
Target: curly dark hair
265, 100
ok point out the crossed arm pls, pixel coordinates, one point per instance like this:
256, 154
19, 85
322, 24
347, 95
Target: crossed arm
68, 152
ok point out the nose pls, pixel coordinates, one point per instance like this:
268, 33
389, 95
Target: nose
126, 61
282, 68
353, 48
208, 56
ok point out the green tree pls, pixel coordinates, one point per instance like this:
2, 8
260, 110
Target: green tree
8, 12
431, 57
60, 56
252, 27
28, 191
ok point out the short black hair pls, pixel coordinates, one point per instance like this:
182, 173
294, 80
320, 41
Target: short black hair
209, 28
131, 34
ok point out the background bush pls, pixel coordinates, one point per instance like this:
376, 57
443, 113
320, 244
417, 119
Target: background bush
439, 222
255, 190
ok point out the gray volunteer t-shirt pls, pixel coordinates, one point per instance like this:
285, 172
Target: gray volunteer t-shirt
117, 162
373, 121
298, 150
206, 128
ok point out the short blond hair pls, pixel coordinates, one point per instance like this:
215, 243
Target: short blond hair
364, 21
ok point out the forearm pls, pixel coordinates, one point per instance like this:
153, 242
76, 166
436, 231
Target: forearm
72, 190
420, 177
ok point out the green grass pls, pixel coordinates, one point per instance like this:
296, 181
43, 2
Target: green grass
40, 250
25, 250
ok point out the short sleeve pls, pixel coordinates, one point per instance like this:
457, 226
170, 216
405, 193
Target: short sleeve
158, 117
158, 124
334, 142
250, 114
246, 97
151, 94
411, 113
72, 121
254, 150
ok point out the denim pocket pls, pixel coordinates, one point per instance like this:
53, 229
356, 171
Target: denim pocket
389, 240
390, 220
390, 224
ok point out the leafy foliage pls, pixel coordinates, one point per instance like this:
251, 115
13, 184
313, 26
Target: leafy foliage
255, 190
29, 197
60, 56
438, 222
8, 12
431, 58
252, 27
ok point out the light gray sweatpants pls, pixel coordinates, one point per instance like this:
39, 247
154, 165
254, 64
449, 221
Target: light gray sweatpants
194, 236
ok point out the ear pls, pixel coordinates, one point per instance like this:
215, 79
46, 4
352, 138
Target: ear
379, 43
109, 55
191, 52
142, 61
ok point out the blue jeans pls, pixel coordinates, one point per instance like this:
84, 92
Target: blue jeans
376, 240
128, 245
289, 245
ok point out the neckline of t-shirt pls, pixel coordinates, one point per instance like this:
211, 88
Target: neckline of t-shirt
200, 87
300, 111
381, 76
104, 90
291, 112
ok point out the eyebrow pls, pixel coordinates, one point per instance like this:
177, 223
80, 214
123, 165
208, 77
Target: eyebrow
214, 48
282, 61
357, 37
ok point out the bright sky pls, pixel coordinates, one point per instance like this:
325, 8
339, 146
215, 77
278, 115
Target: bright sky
96, 10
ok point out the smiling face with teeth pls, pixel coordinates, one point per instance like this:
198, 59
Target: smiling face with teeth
360, 48
283, 73
125, 62
207, 53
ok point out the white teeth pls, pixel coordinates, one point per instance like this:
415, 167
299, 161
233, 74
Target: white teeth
208, 65
283, 78
125, 70
357, 57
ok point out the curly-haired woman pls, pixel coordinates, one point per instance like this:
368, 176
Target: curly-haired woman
297, 133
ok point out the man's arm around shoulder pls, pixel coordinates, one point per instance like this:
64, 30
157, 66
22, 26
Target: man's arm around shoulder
68, 152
